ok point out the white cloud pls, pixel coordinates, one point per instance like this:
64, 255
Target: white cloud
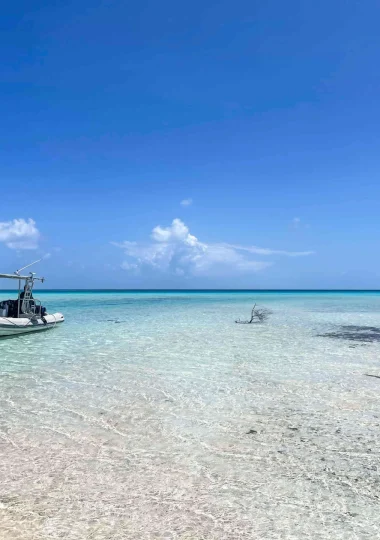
19, 234
177, 232
129, 266
187, 202
296, 222
267, 251
173, 249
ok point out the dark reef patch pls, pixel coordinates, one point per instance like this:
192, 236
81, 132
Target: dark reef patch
366, 334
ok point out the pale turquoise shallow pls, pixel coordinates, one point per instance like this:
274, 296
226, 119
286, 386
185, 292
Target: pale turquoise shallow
131, 419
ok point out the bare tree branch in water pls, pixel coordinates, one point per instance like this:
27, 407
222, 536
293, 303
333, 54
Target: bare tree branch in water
258, 315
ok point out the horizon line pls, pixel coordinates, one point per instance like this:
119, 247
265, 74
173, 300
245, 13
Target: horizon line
193, 290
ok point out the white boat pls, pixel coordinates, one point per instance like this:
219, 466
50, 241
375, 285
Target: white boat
25, 314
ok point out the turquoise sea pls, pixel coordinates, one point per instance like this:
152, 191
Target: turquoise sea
152, 415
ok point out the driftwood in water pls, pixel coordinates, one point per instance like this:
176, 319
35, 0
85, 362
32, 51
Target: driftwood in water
257, 316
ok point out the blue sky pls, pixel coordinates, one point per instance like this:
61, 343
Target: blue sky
263, 116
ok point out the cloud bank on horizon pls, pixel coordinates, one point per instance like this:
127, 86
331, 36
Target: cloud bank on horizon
173, 249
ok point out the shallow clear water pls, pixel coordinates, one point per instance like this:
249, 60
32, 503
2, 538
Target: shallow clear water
132, 419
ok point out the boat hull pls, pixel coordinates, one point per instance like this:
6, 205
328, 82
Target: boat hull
13, 327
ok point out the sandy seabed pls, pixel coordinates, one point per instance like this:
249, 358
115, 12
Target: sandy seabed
195, 432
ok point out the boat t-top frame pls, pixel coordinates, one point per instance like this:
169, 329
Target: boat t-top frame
28, 305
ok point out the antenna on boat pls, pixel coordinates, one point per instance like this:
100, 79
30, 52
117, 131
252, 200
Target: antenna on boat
27, 266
